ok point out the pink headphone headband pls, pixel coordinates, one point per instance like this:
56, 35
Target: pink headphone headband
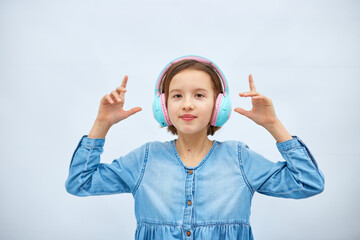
196, 58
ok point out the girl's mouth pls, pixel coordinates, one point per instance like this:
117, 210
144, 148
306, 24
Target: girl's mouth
187, 117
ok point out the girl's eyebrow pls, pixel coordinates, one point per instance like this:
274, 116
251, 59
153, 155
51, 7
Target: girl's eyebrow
197, 89
201, 89
174, 90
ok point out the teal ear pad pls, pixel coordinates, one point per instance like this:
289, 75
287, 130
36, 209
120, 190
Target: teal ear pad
160, 111
224, 111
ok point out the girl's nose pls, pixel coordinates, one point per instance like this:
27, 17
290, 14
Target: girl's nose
187, 104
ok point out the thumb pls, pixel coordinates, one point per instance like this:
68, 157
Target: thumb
242, 111
133, 111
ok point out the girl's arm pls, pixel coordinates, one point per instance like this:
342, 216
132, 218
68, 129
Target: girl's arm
87, 176
278, 131
263, 113
297, 177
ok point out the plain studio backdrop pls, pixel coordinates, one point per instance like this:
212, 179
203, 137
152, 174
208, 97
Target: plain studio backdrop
58, 58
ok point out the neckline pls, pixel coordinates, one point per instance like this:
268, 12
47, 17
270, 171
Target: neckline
202, 161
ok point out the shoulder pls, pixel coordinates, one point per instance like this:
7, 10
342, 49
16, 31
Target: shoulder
231, 144
154, 144
230, 147
157, 146
239, 148
141, 153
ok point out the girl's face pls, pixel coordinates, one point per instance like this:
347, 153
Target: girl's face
191, 101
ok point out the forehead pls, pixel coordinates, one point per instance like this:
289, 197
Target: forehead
191, 78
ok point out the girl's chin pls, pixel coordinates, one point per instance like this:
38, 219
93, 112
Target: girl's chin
187, 131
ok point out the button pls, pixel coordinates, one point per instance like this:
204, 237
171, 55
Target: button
189, 202
191, 172
188, 233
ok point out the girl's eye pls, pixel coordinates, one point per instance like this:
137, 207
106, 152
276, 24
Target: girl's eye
199, 95
177, 96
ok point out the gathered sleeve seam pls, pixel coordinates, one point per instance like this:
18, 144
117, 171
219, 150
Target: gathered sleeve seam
240, 159
85, 168
89, 144
142, 169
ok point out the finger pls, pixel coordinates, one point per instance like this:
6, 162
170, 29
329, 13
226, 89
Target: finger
242, 111
124, 82
109, 99
251, 83
123, 86
259, 97
115, 96
249, 94
262, 98
120, 90
133, 111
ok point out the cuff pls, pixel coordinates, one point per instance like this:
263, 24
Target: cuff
92, 142
290, 144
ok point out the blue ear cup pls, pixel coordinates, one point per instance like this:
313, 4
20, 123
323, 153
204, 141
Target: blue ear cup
222, 109
158, 115
160, 111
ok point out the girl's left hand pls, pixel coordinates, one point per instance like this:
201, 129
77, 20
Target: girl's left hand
262, 112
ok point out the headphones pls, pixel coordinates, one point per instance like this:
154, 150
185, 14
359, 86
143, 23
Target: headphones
222, 108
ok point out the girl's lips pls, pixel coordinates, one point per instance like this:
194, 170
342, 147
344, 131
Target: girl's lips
187, 117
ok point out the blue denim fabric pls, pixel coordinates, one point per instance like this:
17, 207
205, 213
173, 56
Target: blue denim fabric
210, 202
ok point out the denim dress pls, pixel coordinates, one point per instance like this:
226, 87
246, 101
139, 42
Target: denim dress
209, 201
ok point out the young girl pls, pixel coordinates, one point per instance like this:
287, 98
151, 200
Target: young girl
191, 187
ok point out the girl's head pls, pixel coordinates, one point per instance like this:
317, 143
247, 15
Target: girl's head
191, 84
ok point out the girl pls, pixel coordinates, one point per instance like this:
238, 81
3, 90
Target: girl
191, 187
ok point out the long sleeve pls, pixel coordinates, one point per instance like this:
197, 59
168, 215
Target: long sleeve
87, 176
297, 177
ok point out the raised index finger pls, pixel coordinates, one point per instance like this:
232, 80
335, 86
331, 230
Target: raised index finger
251, 83
124, 82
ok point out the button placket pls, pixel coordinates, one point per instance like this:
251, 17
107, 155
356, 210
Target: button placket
189, 187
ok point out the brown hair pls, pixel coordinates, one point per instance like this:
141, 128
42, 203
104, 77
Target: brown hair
192, 64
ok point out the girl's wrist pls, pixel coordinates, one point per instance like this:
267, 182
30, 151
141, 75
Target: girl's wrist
99, 129
278, 131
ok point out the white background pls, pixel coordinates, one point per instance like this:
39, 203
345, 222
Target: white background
58, 58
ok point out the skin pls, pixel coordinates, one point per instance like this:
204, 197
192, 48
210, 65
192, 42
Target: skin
111, 111
263, 113
192, 143
191, 93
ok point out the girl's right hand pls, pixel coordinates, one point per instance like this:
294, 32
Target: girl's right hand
111, 108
